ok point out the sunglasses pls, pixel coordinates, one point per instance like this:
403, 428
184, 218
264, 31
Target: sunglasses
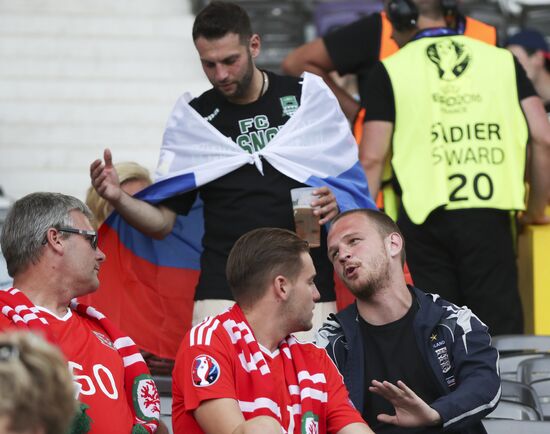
91, 236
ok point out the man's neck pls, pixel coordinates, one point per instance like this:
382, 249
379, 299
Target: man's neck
266, 327
386, 305
428, 22
57, 300
255, 90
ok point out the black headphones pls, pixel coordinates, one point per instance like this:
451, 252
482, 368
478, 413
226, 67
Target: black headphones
403, 14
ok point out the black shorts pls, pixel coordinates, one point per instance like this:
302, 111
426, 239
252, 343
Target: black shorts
468, 257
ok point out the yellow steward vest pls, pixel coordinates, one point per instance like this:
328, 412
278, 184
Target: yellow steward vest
460, 134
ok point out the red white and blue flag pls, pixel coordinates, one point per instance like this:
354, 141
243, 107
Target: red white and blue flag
147, 286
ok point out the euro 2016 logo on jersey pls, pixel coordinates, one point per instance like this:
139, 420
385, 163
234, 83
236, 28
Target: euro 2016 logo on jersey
450, 57
206, 371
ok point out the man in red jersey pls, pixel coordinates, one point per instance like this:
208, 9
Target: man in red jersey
51, 253
242, 371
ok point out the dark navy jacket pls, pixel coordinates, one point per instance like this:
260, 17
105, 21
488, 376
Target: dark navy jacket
453, 342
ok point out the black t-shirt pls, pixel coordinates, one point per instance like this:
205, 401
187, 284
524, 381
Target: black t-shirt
392, 354
355, 48
244, 199
381, 102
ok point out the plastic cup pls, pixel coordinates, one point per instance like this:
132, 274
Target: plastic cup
307, 224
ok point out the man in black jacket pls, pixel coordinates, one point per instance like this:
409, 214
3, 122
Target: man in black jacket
428, 364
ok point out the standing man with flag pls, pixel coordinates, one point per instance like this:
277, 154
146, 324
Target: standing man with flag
277, 133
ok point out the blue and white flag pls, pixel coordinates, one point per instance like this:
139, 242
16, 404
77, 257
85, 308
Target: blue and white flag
314, 147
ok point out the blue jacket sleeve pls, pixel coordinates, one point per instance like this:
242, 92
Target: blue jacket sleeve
476, 371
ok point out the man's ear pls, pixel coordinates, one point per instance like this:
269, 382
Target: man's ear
54, 239
254, 45
395, 244
539, 58
281, 287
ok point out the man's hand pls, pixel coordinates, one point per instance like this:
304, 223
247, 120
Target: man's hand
105, 178
155, 221
328, 207
162, 429
410, 410
528, 218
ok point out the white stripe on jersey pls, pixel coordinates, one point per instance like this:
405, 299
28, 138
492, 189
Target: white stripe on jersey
242, 332
198, 336
21, 307
29, 316
252, 406
252, 365
308, 392
210, 331
315, 378
94, 313
130, 360
123, 342
286, 352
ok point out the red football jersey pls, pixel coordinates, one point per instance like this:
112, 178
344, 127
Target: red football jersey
206, 368
97, 370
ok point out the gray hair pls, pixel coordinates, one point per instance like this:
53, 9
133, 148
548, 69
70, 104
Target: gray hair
28, 221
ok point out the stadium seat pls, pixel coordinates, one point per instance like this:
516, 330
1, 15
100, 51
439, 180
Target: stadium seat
532, 370
521, 343
281, 26
497, 426
542, 389
509, 362
515, 411
522, 393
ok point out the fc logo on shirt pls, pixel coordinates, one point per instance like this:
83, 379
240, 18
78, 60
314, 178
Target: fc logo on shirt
206, 371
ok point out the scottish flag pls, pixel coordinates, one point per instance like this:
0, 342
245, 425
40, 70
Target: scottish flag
147, 286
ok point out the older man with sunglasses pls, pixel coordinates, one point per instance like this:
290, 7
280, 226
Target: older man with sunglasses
51, 253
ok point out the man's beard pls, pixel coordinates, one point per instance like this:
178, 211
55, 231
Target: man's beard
377, 279
243, 85
372, 286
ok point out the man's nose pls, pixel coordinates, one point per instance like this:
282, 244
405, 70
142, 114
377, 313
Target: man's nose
316, 294
99, 255
343, 255
221, 73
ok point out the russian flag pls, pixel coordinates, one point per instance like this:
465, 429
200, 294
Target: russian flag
147, 286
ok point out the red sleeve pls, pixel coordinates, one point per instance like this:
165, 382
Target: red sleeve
340, 410
203, 372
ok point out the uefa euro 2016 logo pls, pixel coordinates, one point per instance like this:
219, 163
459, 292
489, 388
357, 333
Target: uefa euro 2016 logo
450, 57
206, 371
